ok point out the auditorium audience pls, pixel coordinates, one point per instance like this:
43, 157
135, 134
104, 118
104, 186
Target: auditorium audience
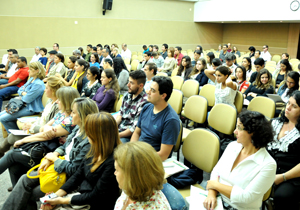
178, 55
158, 123
285, 151
158, 60
131, 161
133, 102
150, 71
281, 74
246, 171
240, 74
164, 52
93, 75
246, 63
37, 55
108, 93
43, 59
89, 49
290, 85
95, 60
58, 67
185, 68
259, 64
223, 53
50, 110
122, 74
198, 72
261, 87
236, 51
80, 80
265, 53
146, 59
70, 76
105, 54
209, 58
74, 150
169, 62
126, 53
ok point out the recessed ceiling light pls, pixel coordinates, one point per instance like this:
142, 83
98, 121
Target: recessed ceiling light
222, 22
281, 21
259, 21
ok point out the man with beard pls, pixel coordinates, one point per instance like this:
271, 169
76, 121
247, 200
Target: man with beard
132, 105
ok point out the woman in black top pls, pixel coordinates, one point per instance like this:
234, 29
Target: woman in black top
185, 68
282, 73
90, 89
261, 87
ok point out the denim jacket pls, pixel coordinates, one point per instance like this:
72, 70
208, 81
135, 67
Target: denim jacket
281, 90
80, 148
33, 98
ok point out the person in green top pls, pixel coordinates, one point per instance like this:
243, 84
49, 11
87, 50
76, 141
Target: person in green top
89, 48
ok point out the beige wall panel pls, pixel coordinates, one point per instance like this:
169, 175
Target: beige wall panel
293, 39
210, 35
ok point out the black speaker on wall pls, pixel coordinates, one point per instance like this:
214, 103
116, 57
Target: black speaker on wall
107, 5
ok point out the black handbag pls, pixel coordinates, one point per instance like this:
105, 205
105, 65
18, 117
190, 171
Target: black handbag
36, 151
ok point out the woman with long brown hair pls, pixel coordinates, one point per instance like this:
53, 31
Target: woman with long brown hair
81, 67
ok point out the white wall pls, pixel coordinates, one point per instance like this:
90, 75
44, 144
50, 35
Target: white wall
245, 10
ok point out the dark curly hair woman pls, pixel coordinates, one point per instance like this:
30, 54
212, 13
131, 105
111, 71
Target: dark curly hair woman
285, 149
246, 171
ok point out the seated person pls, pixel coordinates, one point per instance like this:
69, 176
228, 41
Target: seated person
285, 150
185, 68
216, 62
281, 74
74, 150
43, 59
146, 59
122, 74
197, 55
5, 58
37, 55
225, 88
58, 67
229, 62
105, 54
108, 93
70, 76
158, 123
246, 171
150, 71
95, 60
178, 55
81, 67
30, 93
158, 59
198, 72
164, 52
133, 102
115, 52
291, 84
236, 51
145, 191
240, 75
50, 62
169, 62
283, 56
18, 163
246, 63
93, 75
261, 87
209, 58
17, 80
223, 53
49, 112
10, 68
145, 48
259, 64
77, 54
252, 51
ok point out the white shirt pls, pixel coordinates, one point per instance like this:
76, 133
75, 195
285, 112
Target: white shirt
226, 95
35, 58
13, 69
4, 59
126, 54
250, 179
70, 146
266, 56
101, 64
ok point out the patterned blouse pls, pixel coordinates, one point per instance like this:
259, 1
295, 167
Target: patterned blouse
90, 91
65, 122
157, 201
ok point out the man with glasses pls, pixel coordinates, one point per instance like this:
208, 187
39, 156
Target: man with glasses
223, 53
265, 53
158, 124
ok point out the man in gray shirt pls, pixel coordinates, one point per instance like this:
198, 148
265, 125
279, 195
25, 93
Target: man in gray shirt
223, 53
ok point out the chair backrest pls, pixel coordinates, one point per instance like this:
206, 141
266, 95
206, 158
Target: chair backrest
276, 58
134, 65
195, 109
270, 63
281, 83
271, 69
273, 83
162, 74
127, 60
267, 194
174, 72
263, 105
119, 104
176, 100
140, 53
177, 82
179, 140
44, 99
128, 67
239, 101
140, 58
201, 148
208, 91
222, 117
134, 57
133, 53
190, 87
114, 109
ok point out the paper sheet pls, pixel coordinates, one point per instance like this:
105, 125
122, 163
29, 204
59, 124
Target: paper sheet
197, 198
19, 132
172, 166
27, 119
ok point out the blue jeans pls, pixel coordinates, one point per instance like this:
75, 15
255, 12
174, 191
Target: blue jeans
174, 197
5, 92
9, 120
3, 81
125, 139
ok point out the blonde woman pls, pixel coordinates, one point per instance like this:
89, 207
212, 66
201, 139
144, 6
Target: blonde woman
108, 92
31, 94
115, 53
139, 159
51, 109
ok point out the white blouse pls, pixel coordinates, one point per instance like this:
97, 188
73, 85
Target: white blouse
226, 95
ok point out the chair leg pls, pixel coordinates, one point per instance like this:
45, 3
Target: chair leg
178, 153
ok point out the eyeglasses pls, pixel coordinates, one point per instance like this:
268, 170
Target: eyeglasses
239, 128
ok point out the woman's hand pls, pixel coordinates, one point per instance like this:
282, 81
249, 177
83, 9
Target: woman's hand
23, 93
51, 156
47, 207
278, 179
51, 134
211, 184
210, 202
26, 126
44, 165
58, 200
18, 143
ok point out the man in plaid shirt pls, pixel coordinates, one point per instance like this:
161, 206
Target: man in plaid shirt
132, 105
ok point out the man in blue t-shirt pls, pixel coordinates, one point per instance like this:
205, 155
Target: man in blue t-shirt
158, 123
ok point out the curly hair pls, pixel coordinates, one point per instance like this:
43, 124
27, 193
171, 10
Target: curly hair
256, 124
283, 118
188, 65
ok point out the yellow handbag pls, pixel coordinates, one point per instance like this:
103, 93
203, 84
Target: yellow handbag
50, 180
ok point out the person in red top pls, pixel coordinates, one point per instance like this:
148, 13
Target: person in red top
17, 80
240, 74
178, 55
